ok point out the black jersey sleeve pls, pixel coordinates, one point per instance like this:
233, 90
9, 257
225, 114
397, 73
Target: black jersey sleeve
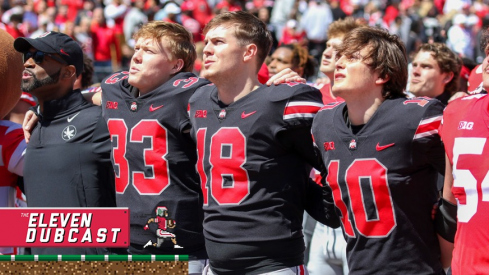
296, 137
319, 204
299, 110
428, 147
300, 142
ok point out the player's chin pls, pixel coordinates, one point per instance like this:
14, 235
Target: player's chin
133, 80
206, 74
337, 92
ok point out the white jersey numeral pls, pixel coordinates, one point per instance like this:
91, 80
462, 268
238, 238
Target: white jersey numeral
463, 178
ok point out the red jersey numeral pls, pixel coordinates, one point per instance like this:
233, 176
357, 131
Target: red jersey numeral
229, 181
153, 157
117, 77
376, 174
189, 82
332, 180
118, 137
420, 101
200, 164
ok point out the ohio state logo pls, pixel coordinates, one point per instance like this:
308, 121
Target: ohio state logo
222, 114
353, 144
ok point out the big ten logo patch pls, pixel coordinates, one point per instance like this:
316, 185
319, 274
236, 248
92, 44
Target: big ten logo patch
465, 125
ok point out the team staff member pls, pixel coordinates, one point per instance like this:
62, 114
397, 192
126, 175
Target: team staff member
67, 163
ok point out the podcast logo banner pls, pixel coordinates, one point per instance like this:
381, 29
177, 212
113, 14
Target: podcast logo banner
65, 227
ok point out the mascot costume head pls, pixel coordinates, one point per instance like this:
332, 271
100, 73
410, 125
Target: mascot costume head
11, 67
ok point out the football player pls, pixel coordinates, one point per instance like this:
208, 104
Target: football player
466, 194
336, 32
328, 246
435, 72
153, 156
254, 154
382, 155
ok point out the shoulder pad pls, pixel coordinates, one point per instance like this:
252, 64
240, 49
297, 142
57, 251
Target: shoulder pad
285, 91
201, 91
463, 103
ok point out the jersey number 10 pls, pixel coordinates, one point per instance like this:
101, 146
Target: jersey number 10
376, 174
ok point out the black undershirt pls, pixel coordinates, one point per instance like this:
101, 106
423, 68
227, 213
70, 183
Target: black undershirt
353, 128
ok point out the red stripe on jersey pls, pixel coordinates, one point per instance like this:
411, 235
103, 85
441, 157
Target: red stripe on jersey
26, 97
302, 269
92, 90
428, 127
301, 109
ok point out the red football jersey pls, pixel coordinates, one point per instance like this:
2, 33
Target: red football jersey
328, 97
475, 79
12, 148
465, 132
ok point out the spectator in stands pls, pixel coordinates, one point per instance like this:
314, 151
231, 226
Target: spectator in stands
106, 46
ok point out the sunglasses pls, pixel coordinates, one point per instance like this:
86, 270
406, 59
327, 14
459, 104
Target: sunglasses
38, 57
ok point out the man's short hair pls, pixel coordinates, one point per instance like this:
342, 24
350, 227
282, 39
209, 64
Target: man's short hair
248, 30
342, 26
180, 40
387, 56
448, 62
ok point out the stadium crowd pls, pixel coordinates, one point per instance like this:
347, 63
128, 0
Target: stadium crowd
105, 28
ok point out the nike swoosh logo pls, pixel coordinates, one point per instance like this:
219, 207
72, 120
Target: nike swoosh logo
380, 148
244, 115
152, 109
71, 118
